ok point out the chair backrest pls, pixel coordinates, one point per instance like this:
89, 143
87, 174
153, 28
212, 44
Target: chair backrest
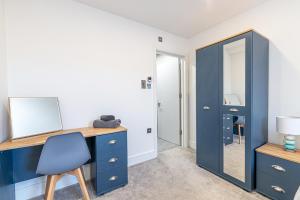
63, 153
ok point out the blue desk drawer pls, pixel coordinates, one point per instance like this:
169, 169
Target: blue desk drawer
112, 179
111, 158
112, 162
112, 143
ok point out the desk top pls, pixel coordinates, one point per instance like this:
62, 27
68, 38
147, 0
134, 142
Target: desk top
41, 139
276, 150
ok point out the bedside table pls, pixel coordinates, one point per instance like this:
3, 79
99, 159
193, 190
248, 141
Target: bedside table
277, 172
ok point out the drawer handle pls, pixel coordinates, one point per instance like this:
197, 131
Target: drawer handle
278, 168
228, 128
112, 142
233, 110
206, 108
113, 178
113, 160
278, 189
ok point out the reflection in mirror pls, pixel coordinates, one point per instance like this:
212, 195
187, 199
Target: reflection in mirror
234, 61
32, 116
234, 146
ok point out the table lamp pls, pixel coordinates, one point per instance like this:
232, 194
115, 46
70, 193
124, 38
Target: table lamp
290, 127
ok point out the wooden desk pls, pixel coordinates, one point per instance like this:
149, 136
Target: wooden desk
19, 159
41, 139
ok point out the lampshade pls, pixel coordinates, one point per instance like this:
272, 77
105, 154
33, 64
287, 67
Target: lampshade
288, 125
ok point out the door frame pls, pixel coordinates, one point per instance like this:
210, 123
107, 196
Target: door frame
183, 87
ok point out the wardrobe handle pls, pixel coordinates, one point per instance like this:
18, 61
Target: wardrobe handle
278, 168
113, 178
113, 160
112, 142
233, 110
278, 189
206, 108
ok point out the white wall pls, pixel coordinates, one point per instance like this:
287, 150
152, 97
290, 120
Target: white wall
277, 20
92, 60
3, 78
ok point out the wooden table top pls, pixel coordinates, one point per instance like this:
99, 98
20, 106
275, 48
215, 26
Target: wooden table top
41, 139
279, 152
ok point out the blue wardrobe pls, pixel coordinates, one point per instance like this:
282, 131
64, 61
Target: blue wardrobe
232, 106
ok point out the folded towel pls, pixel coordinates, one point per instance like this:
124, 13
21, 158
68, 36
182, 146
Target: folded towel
107, 117
107, 124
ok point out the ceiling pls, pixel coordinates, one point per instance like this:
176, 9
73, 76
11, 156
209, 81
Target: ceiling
181, 17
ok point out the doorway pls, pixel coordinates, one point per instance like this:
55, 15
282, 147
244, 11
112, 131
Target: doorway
169, 101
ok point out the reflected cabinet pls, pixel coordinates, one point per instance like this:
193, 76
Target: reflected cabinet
232, 106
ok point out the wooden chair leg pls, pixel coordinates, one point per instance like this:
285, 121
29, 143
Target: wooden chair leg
80, 177
240, 134
50, 187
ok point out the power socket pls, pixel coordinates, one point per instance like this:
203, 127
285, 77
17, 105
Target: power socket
149, 130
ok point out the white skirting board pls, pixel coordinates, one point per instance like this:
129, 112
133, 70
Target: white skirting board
36, 187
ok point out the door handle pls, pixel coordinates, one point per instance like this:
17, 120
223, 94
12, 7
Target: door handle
206, 108
233, 110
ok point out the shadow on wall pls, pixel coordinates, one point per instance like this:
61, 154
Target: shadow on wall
4, 122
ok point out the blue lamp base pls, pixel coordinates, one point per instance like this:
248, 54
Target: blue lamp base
289, 143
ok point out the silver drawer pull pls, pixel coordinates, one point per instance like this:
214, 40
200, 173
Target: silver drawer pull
113, 160
112, 142
278, 189
278, 168
228, 128
206, 108
113, 178
233, 110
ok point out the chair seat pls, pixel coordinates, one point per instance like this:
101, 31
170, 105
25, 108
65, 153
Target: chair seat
63, 153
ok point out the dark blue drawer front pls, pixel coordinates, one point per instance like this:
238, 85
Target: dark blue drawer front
266, 184
25, 161
112, 179
111, 158
227, 129
112, 162
273, 172
285, 168
112, 143
7, 188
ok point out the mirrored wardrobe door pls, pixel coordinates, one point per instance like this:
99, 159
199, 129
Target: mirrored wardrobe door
234, 103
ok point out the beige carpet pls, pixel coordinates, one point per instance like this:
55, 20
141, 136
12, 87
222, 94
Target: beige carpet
164, 145
172, 176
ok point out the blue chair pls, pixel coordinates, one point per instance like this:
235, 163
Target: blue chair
63, 154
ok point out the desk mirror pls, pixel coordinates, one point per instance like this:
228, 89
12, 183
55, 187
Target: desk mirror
33, 116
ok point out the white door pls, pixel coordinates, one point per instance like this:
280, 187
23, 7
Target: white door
168, 88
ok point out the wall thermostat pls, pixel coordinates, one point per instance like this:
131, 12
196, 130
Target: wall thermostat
149, 82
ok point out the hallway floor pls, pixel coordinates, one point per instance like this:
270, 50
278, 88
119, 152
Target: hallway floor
164, 145
173, 175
